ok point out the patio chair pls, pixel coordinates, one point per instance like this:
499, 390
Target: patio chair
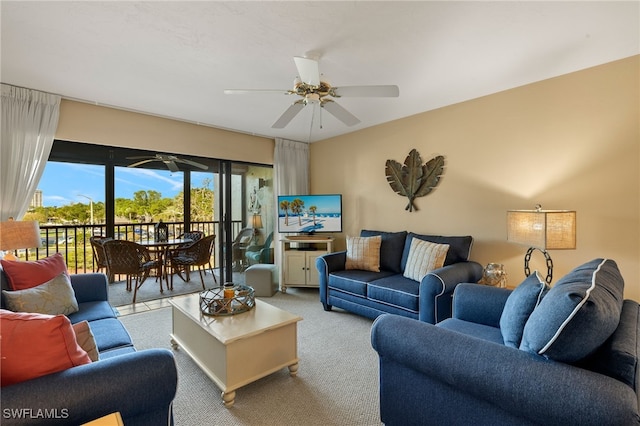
239, 246
134, 261
198, 254
99, 256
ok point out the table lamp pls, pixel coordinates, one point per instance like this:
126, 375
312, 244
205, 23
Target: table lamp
256, 223
16, 234
542, 230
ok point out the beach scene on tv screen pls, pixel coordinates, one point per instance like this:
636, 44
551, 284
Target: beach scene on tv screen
309, 213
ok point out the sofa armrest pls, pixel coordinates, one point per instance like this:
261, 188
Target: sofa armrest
92, 287
436, 289
140, 385
480, 304
434, 372
325, 265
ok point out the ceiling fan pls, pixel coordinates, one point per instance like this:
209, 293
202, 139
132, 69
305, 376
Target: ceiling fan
312, 90
169, 160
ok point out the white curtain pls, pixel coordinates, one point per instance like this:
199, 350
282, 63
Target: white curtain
29, 123
291, 176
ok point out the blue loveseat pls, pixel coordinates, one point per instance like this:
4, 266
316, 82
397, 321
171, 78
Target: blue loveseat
565, 371
371, 294
141, 385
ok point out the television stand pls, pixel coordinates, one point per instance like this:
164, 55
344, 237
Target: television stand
298, 265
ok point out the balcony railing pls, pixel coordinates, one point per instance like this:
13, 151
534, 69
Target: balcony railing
72, 241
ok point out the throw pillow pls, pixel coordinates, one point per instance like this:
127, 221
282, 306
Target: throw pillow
53, 297
27, 274
34, 345
363, 253
85, 339
519, 306
424, 257
459, 247
390, 248
578, 314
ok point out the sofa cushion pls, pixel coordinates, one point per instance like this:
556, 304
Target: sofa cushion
480, 331
91, 311
354, 281
390, 248
396, 290
363, 253
578, 314
459, 247
109, 333
424, 257
34, 345
26, 274
519, 306
53, 297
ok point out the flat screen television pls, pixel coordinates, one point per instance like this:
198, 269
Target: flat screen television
309, 214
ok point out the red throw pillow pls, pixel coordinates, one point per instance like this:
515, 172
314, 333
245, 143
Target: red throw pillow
34, 345
23, 275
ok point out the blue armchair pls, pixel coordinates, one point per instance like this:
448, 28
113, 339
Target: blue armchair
459, 372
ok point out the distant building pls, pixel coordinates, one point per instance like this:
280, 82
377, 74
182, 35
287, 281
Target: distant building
36, 201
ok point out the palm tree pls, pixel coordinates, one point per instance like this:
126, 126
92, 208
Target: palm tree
284, 205
296, 207
313, 209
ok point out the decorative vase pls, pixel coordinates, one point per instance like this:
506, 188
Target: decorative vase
494, 275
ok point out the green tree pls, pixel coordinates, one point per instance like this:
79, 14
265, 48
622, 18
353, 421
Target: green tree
313, 210
284, 205
296, 208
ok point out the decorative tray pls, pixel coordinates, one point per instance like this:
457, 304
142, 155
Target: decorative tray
213, 302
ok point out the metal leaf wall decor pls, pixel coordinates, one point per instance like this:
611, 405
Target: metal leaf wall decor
414, 179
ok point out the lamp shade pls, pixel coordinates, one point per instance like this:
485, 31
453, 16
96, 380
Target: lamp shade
256, 221
542, 229
16, 234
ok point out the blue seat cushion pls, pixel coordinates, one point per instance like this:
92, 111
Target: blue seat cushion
390, 248
354, 281
91, 311
459, 247
109, 333
396, 290
473, 329
578, 314
519, 306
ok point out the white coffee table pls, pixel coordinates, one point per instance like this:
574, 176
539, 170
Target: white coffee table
238, 349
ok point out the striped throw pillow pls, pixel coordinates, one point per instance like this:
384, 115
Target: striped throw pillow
363, 253
424, 257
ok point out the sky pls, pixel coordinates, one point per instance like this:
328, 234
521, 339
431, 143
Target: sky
68, 183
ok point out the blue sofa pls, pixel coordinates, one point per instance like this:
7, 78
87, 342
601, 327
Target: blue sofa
371, 294
141, 385
460, 372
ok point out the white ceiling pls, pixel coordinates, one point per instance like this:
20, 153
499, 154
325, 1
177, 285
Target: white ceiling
174, 59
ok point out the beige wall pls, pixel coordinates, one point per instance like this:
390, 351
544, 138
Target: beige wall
89, 123
571, 142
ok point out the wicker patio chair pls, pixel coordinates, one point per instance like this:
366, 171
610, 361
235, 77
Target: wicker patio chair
181, 260
99, 256
134, 261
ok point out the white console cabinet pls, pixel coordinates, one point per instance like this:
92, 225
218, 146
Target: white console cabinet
298, 267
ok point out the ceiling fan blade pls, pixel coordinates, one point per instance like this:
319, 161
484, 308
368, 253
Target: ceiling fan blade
390, 91
340, 113
171, 165
288, 115
141, 157
308, 70
252, 91
191, 163
139, 163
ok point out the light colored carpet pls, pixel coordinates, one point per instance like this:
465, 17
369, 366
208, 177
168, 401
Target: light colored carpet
337, 382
